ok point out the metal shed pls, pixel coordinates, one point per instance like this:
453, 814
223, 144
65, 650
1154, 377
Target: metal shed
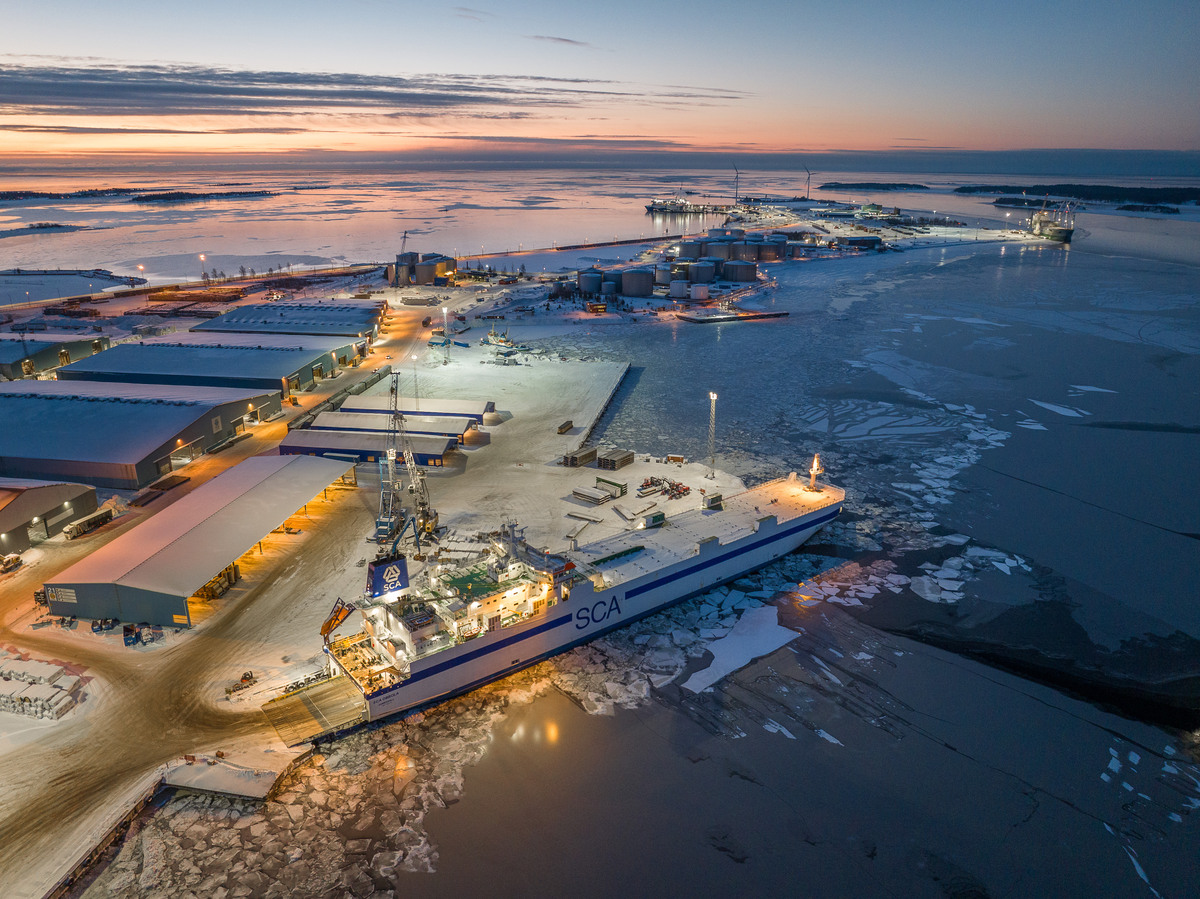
117, 435
367, 447
24, 355
35, 510
149, 573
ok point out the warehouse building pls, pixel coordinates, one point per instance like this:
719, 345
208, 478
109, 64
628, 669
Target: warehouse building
117, 435
33, 511
344, 352
24, 355
425, 407
364, 446
433, 426
151, 572
330, 318
282, 369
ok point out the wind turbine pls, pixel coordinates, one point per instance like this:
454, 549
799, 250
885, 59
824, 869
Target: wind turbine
808, 185
736, 178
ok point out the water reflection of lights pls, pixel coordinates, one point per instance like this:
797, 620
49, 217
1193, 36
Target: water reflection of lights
547, 733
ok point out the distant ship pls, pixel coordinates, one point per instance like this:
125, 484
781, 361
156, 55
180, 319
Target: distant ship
1056, 224
680, 206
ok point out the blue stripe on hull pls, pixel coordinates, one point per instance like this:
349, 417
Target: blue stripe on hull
516, 639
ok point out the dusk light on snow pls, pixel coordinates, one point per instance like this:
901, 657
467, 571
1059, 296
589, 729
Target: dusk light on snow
629, 450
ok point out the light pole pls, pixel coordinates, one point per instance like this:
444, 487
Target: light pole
712, 436
445, 335
202, 258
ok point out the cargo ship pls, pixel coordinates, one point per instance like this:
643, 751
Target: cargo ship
680, 206
467, 626
1056, 224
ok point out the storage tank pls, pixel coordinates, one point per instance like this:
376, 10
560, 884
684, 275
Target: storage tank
662, 274
638, 282
718, 233
746, 252
425, 271
590, 281
679, 270
717, 248
699, 291
770, 252
608, 289
736, 233
678, 290
612, 277
702, 272
717, 264
740, 270
689, 249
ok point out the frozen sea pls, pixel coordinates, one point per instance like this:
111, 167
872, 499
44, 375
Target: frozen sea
968, 686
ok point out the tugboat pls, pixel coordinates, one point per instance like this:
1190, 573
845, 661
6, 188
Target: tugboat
1057, 224
491, 338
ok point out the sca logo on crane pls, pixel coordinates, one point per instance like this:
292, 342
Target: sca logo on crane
391, 576
598, 612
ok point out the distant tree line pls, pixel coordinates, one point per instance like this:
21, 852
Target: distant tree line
871, 185
1105, 193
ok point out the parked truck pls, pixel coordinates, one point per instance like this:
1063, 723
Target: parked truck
88, 523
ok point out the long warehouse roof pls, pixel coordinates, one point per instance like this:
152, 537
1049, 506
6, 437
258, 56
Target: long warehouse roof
180, 549
15, 347
418, 406
364, 441
332, 317
443, 426
102, 422
172, 359
267, 341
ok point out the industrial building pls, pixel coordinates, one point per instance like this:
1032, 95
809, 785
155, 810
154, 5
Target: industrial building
117, 435
345, 352
363, 445
24, 355
33, 511
432, 426
260, 367
329, 318
149, 573
420, 407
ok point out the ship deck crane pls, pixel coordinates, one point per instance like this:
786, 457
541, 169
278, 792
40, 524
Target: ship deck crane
391, 516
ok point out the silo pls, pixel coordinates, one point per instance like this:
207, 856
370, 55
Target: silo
662, 274
590, 280
740, 270
608, 289
699, 291
702, 272
638, 282
678, 290
717, 248
689, 249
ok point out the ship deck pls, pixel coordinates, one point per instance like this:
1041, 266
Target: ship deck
628, 556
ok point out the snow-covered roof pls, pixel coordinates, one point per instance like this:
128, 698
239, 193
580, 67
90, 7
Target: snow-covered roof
238, 339
180, 549
362, 421
15, 347
329, 317
363, 441
172, 359
102, 422
12, 488
419, 406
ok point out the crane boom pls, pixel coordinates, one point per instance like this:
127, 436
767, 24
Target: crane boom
399, 447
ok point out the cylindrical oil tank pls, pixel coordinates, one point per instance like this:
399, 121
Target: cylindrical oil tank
612, 277
608, 289
717, 248
426, 271
662, 274
689, 249
770, 252
590, 281
678, 290
680, 270
736, 233
717, 233
637, 282
795, 248
699, 291
717, 264
746, 252
702, 272
740, 270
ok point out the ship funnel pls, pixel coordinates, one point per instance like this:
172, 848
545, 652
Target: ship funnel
814, 471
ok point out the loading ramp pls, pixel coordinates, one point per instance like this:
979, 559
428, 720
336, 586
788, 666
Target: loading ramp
322, 708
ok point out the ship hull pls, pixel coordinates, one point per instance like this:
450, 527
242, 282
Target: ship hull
590, 613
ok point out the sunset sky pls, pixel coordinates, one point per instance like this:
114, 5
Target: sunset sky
538, 77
